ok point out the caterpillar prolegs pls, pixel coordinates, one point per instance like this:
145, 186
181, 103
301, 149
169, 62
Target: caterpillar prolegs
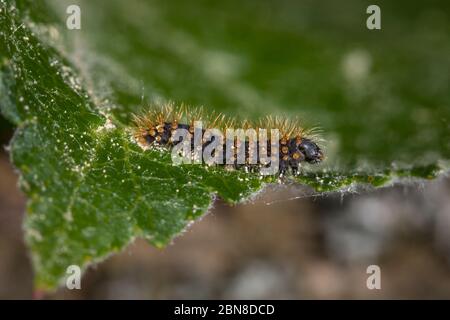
220, 140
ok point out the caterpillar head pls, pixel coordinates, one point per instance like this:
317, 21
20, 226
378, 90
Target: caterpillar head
311, 151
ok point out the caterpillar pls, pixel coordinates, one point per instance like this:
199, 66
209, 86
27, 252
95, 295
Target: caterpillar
159, 125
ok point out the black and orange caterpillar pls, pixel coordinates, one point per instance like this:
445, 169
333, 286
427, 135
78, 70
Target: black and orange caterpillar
296, 145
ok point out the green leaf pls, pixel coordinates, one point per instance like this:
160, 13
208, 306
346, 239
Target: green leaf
380, 98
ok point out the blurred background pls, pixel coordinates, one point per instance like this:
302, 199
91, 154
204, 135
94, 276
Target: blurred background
381, 98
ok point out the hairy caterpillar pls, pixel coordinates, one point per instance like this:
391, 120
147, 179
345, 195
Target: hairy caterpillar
295, 145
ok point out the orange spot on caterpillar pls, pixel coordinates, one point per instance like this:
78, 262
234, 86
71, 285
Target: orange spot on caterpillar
296, 155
